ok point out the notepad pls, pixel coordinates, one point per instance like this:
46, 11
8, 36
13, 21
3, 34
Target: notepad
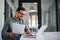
18, 28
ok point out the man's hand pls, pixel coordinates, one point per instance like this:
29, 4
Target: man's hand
11, 34
28, 32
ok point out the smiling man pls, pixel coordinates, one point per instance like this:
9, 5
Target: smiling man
7, 33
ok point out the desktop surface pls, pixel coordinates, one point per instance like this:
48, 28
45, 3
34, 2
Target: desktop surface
44, 36
48, 36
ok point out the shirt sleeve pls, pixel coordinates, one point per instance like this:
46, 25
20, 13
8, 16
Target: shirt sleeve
5, 32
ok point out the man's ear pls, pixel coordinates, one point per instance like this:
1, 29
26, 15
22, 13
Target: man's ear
16, 13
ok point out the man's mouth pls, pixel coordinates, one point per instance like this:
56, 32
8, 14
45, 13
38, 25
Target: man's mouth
21, 16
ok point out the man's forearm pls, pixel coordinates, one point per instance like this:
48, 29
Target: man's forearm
5, 34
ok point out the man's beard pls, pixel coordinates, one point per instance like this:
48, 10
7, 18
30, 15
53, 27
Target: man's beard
20, 18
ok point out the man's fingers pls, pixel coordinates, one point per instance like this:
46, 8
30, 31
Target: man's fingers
11, 34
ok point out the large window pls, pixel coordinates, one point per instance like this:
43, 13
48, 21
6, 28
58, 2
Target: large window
31, 14
49, 14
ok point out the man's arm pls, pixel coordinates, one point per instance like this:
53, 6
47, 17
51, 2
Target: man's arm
27, 30
5, 29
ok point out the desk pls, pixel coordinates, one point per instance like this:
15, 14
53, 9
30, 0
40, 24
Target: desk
44, 36
48, 36
25, 38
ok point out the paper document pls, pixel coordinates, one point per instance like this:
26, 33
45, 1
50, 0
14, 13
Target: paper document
18, 28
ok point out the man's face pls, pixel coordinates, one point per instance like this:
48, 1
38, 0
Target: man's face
20, 14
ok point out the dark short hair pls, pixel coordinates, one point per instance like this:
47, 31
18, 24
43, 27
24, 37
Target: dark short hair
21, 8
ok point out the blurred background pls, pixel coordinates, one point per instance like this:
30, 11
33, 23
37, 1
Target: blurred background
38, 13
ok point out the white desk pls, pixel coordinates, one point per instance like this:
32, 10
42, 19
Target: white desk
45, 36
26, 38
49, 36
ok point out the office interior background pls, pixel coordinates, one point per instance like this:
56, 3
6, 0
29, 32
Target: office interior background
38, 13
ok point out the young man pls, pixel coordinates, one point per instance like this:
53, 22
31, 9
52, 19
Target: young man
7, 33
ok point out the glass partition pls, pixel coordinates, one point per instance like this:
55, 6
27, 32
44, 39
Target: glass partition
49, 15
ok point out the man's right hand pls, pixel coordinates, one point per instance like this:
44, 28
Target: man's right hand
28, 32
11, 34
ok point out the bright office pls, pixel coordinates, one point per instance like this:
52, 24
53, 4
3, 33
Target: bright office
42, 17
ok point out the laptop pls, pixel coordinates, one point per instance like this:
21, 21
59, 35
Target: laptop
41, 30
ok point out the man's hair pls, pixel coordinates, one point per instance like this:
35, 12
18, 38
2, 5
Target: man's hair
21, 8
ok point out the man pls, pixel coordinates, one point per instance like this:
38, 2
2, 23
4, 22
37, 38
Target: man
7, 33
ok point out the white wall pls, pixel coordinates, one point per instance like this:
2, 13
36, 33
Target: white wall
16, 3
13, 5
1, 16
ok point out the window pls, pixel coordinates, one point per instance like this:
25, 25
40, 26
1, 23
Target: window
31, 14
